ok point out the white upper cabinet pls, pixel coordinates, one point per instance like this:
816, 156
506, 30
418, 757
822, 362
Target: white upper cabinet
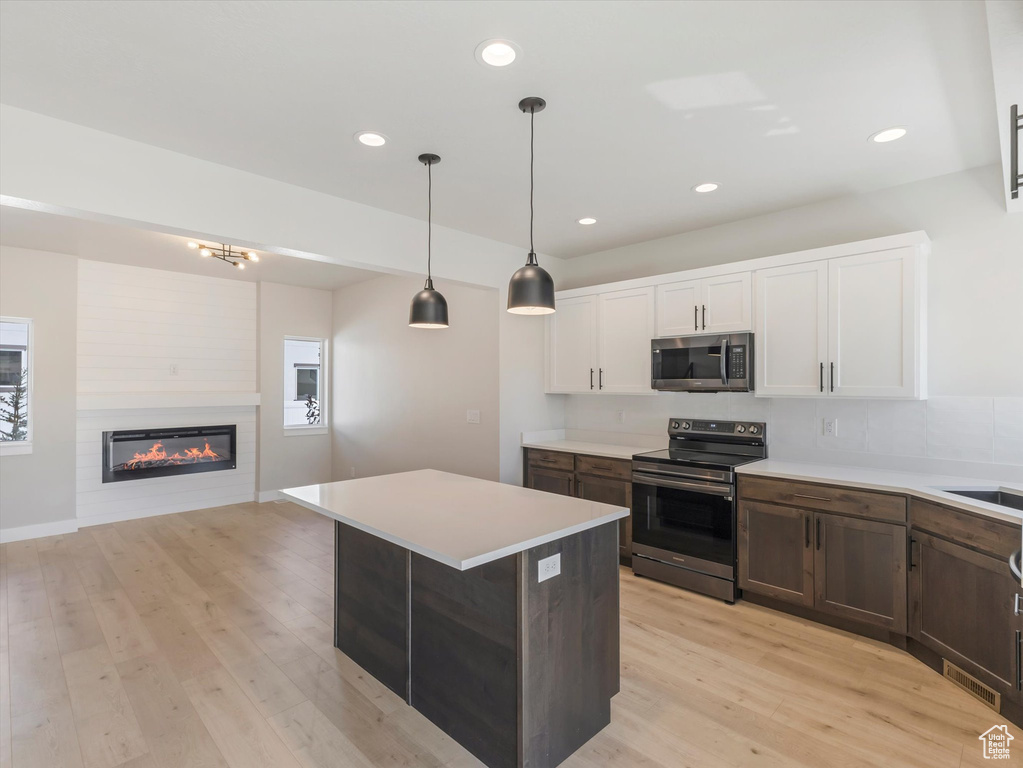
625, 327
572, 345
874, 325
791, 329
847, 327
720, 304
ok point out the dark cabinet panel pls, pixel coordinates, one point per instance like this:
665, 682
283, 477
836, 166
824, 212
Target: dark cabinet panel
962, 607
775, 553
860, 570
551, 480
610, 491
826, 498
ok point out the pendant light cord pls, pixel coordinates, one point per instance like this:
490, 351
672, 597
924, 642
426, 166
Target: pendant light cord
532, 115
429, 220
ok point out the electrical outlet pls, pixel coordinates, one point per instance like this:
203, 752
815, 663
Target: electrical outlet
473, 417
621, 417
831, 427
549, 567
174, 369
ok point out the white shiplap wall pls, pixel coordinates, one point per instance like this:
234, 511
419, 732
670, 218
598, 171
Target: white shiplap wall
134, 324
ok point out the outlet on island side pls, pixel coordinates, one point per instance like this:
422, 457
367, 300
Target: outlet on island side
548, 568
472, 417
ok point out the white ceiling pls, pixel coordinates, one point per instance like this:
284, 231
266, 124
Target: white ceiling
23, 228
773, 100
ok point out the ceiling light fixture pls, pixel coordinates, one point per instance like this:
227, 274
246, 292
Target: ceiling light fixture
229, 254
429, 309
371, 138
709, 186
587, 220
497, 53
531, 289
888, 134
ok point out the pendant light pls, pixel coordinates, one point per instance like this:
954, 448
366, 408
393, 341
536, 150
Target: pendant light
429, 309
531, 290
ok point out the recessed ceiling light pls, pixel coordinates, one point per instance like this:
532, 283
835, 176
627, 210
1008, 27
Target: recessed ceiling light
587, 220
371, 138
709, 186
888, 134
497, 53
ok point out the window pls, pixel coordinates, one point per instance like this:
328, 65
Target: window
304, 385
15, 384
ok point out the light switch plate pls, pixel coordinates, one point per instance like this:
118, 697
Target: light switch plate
473, 417
549, 567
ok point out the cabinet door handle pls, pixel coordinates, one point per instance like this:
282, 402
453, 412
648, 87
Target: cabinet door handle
704, 317
912, 541
832, 377
815, 498
579, 488
822, 377
818, 533
600, 377
806, 528
696, 318
591, 377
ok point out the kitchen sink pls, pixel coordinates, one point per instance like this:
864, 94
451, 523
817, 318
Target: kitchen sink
1002, 498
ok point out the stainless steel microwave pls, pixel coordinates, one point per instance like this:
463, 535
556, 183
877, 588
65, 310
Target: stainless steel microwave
710, 363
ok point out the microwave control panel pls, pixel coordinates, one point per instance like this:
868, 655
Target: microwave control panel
737, 362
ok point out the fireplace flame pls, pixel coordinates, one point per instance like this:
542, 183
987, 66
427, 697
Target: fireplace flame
157, 455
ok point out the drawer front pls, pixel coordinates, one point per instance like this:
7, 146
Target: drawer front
827, 498
992, 536
552, 459
598, 465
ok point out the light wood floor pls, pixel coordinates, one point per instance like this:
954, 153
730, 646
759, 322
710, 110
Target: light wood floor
204, 639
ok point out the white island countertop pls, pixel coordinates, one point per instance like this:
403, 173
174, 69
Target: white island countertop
460, 521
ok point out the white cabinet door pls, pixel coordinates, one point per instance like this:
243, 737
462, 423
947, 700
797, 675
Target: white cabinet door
791, 329
678, 308
626, 325
729, 303
873, 334
572, 346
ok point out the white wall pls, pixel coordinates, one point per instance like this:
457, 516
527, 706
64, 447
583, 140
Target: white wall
289, 458
401, 394
38, 489
66, 168
975, 271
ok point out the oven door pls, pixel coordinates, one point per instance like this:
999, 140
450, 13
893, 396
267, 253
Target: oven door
688, 523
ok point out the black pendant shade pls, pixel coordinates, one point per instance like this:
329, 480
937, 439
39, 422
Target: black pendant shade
429, 308
531, 289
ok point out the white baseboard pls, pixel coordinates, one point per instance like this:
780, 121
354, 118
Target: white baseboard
264, 496
134, 514
37, 531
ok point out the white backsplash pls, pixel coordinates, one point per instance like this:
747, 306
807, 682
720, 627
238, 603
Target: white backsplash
965, 436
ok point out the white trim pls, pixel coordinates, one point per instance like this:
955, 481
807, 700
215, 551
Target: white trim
918, 238
30, 353
37, 531
12, 448
309, 429
265, 496
124, 401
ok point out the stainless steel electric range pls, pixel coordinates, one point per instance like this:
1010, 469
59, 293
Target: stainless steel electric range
683, 504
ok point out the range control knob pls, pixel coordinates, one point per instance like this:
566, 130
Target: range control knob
674, 425
740, 429
686, 425
753, 429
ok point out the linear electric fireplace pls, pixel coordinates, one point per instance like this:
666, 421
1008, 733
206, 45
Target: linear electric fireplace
137, 453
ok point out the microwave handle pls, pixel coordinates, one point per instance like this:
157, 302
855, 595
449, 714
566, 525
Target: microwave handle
724, 361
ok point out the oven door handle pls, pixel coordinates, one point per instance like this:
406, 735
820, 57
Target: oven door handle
660, 482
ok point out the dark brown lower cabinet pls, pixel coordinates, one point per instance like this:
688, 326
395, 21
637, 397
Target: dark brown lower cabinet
962, 607
610, 491
775, 552
859, 570
551, 480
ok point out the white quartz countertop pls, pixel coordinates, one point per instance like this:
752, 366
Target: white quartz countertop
590, 449
921, 486
460, 521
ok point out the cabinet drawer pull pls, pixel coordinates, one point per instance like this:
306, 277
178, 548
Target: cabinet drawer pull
816, 498
608, 467
1015, 605
547, 460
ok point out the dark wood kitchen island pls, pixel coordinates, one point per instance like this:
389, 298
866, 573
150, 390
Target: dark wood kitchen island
438, 595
